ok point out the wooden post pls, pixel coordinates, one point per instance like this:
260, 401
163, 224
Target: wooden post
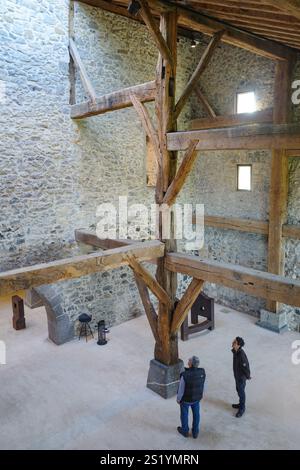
166, 351
279, 175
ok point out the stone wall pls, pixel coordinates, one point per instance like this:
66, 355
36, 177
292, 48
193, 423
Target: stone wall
55, 172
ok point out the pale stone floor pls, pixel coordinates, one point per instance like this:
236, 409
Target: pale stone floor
84, 396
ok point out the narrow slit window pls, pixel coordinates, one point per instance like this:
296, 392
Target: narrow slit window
246, 102
244, 177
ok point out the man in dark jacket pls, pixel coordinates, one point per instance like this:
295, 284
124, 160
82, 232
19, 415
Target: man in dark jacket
190, 392
241, 372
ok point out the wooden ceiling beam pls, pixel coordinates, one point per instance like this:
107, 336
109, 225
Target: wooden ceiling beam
78, 266
292, 7
248, 137
251, 281
113, 101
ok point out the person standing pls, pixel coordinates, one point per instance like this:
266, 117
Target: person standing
241, 372
190, 392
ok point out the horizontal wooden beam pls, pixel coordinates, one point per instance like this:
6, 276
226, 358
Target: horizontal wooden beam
242, 225
291, 231
90, 238
252, 137
293, 153
233, 120
71, 268
250, 281
113, 101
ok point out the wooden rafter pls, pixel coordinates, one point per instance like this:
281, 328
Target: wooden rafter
250, 281
71, 268
113, 101
185, 304
87, 84
193, 81
182, 174
288, 6
247, 137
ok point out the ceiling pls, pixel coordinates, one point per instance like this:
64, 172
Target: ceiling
277, 20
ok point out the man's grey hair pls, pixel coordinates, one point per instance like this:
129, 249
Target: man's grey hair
194, 360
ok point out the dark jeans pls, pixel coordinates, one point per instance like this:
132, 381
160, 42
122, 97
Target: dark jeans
184, 416
240, 388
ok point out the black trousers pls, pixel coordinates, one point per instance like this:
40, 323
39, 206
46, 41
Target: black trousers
240, 388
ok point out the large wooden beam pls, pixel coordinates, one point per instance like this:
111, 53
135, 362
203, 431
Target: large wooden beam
114, 101
278, 199
242, 225
182, 174
150, 22
90, 238
149, 280
193, 81
291, 231
233, 35
78, 266
250, 281
148, 306
166, 351
87, 84
288, 6
185, 304
252, 137
233, 120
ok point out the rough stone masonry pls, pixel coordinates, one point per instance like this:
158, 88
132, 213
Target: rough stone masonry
54, 172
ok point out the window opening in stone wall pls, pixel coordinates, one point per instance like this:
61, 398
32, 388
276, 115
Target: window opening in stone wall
246, 102
244, 177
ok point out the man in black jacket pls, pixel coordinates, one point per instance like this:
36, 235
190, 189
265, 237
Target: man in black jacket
241, 372
189, 394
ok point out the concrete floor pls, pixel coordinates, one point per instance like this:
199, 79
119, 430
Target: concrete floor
83, 396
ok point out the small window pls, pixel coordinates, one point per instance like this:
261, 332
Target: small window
244, 177
246, 102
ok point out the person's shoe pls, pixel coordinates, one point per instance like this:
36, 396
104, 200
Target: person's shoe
239, 414
236, 407
184, 434
195, 435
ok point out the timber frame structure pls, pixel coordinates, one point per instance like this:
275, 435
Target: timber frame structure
269, 129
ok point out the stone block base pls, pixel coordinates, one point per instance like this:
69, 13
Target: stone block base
164, 380
276, 322
32, 299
